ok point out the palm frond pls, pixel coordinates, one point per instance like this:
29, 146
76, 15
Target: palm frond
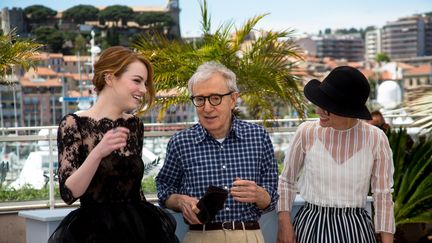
243, 32
412, 181
423, 217
151, 165
16, 52
263, 66
164, 103
421, 106
206, 18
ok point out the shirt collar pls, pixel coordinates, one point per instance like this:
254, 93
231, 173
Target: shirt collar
202, 133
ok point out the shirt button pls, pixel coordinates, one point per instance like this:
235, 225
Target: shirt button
223, 166
225, 187
221, 147
227, 208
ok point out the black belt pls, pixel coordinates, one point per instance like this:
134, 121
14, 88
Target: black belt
228, 225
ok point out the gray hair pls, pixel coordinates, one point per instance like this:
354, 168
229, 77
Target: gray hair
205, 71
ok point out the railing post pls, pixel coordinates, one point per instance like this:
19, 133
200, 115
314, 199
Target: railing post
51, 170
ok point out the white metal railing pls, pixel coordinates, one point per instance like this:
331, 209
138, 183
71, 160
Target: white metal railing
152, 130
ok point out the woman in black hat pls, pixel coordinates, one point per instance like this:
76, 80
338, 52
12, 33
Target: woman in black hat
333, 162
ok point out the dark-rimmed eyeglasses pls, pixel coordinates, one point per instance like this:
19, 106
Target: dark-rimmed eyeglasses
214, 99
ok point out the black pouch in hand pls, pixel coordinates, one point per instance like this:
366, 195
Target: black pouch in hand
212, 201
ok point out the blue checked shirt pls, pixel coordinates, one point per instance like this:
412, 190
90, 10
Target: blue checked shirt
195, 160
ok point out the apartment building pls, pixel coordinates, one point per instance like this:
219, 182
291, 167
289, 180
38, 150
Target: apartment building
10, 106
417, 79
373, 44
53, 61
408, 37
337, 46
41, 90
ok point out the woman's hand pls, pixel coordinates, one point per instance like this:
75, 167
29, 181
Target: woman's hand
386, 237
81, 178
286, 232
113, 140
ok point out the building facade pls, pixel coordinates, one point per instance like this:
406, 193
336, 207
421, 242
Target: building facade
372, 44
417, 79
13, 19
408, 37
349, 47
10, 106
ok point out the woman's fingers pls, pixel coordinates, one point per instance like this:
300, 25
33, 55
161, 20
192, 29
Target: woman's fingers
114, 139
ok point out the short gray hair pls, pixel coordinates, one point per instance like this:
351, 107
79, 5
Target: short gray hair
205, 71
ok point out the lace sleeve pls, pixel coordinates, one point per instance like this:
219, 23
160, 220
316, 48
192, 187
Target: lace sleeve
68, 144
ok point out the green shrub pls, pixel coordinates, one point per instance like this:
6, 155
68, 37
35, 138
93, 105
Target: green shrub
149, 185
27, 193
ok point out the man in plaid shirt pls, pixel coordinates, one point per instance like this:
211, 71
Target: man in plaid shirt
221, 151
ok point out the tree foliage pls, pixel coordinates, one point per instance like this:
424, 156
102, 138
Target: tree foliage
15, 52
154, 19
382, 57
263, 67
39, 13
116, 13
113, 37
80, 45
51, 37
81, 13
55, 40
345, 31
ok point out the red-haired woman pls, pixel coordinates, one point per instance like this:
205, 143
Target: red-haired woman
100, 159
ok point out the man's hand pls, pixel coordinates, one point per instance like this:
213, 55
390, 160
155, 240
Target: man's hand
185, 204
249, 192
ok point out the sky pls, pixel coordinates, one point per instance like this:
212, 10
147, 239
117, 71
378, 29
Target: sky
303, 16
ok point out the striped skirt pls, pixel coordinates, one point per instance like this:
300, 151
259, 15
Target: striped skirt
333, 225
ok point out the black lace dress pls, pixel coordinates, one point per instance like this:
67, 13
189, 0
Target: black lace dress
113, 208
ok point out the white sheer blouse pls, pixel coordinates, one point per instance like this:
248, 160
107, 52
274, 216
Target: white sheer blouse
334, 168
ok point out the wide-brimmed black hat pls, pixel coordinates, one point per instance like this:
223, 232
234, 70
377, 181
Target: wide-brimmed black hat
343, 92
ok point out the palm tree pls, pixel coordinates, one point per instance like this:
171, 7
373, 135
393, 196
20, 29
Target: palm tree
15, 52
412, 193
421, 106
263, 67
